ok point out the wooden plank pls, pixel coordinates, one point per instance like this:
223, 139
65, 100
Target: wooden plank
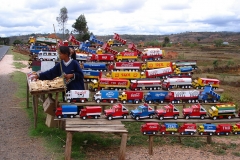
123, 147
96, 130
68, 149
209, 139
91, 121
27, 95
86, 125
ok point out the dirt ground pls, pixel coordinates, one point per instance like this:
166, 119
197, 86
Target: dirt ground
16, 144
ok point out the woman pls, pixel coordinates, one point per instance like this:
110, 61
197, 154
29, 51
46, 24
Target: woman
69, 68
73, 53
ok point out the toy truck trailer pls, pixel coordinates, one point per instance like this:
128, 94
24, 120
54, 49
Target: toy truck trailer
109, 83
152, 54
159, 64
66, 111
236, 128
91, 75
190, 96
128, 66
208, 95
200, 83
117, 111
132, 47
77, 96
81, 57
159, 73
145, 84
126, 56
95, 66
90, 112
168, 111
192, 63
142, 111
188, 128
95, 40
110, 96
207, 129
126, 75
222, 111
170, 83
223, 129
150, 128
85, 47
155, 96
131, 97
182, 70
102, 58
195, 111
107, 48
118, 38
168, 128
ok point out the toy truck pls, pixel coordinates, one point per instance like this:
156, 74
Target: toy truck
125, 75
81, 57
107, 48
190, 96
207, 129
208, 95
167, 111
48, 56
142, 111
109, 83
117, 111
222, 111
102, 58
223, 129
118, 38
155, 96
158, 73
91, 75
168, 128
132, 47
77, 96
182, 70
152, 54
96, 41
95, 66
188, 128
126, 56
90, 112
66, 111
131, 96
170, 83
106, 96
85, 47
128, 66
236, 128
200, 83
158, 64
195, 111
185, 63
150, 128
146, 84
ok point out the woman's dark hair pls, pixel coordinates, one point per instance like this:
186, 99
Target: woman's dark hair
64, 50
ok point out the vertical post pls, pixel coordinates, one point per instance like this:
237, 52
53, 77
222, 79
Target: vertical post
209, 139
68, 149
123, 147
150, 145
27, 95
35, 106
56, 100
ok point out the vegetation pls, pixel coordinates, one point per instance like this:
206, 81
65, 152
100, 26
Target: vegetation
80, 27
62, 20
218, 42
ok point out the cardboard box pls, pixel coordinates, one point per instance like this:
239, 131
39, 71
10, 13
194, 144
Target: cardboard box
50, 122
49, 106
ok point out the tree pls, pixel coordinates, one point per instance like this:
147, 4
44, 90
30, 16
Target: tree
166, 40
80, 27
218, 42
62, 19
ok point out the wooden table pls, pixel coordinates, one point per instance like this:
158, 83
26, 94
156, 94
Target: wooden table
92, 125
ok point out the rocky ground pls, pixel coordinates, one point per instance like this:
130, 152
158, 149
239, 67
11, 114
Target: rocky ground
16, 144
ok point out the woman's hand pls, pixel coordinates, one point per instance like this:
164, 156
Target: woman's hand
68, 77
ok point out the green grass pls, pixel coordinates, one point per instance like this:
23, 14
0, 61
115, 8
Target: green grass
19, 65
17, 56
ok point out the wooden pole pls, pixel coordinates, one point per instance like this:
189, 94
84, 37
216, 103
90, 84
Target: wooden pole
68, 149
27, 95
150, 145
35, 106
209, 139
123, 147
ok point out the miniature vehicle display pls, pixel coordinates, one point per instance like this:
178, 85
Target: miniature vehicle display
223, 129
236, 128
155, 96
77, 96
142, 111
170, 83
126, 56
150, 128
208, 95
152, 84
201, 82
188, 128
101, 58
168, 128
152, 54
91, 75
158, 64
116, 111
127, 66
227, 110
131, 97
184, 63
195, 111
90, 112
167, 111
110, 96
95, 66
207, 129
66, 111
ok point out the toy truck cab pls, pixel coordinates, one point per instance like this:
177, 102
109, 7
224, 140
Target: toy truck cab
106, 96
66, 111
207, 128
150, 128
188, 128
236, 128
194, 111
222, 110
143, 111
117, 111
131, 96
223, 129
168, 128
168, 111
90, 112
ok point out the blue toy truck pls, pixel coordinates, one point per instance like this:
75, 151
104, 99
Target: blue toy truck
91, 75
168, 128
142, 111
66, 111
155, 96
110, 96
95, 66
207, 128
208, 95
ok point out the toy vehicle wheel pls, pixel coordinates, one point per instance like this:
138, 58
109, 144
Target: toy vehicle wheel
187, 117
173, 132
210, 133
109, 118
124, 117
202, 117
218, 133
98, 101
96, 117
235, 132
182, 133
136, 101
214, 118
191, 133
124, 101
149, 102
82, 100
151, 116
71, 116
59, 117
68, 101
161, 118
201, 133
137, 118
154, 132
175, 117
229, 117
111, 101
144, 133
163, 132
227, 133
84, 117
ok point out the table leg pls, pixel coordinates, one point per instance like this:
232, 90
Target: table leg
27, 95
150, 145
68, 149
35, 109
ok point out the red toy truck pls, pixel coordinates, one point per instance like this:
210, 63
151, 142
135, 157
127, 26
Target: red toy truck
90, 112
101, 58
117, 111
150, 128
223, 129
145, 84
127, 66
188, 128
195, 111
168, 111
131, 96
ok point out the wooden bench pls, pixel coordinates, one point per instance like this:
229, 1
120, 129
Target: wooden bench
93, 125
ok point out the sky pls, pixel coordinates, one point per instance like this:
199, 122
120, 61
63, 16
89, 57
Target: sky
135, 17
